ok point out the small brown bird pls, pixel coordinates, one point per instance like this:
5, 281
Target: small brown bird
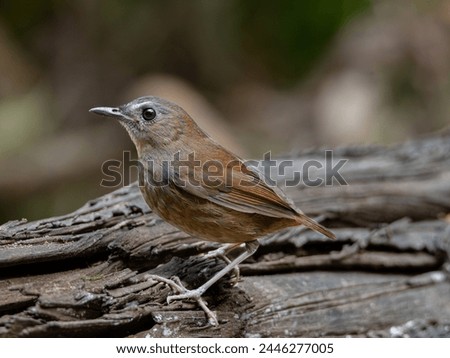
200, 187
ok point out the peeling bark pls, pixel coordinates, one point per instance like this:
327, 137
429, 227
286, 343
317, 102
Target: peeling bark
86, 273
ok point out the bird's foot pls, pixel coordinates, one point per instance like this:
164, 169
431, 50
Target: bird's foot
236, 275
184, 293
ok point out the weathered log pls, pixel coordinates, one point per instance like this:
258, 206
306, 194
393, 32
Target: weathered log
87, 273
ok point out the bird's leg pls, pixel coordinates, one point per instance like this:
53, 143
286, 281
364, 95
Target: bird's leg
196, 294
222, 253
176, 285
250, 248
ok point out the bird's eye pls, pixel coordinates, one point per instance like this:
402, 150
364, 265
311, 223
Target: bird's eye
148, 114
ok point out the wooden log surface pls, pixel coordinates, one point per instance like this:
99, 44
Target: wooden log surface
387, 274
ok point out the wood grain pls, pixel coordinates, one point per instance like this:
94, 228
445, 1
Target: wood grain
86, 274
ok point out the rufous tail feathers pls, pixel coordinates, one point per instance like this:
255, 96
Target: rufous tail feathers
313, 225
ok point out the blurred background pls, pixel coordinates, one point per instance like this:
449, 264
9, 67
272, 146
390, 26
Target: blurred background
256, 75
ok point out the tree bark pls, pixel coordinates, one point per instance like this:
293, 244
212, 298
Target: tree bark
86, 274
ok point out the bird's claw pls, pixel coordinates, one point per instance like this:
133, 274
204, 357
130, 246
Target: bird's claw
197, 296
176, 285
185, 295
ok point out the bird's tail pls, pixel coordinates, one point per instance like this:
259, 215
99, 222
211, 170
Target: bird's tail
313, 225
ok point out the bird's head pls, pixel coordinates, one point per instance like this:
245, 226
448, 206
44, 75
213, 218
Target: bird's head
154, 122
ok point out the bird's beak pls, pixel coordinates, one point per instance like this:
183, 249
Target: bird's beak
107, 111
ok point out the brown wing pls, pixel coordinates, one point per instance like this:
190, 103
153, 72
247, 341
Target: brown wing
244, 189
